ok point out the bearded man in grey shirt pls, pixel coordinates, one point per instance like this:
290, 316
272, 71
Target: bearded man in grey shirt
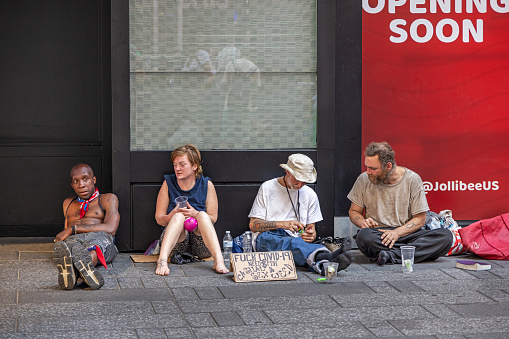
389, 206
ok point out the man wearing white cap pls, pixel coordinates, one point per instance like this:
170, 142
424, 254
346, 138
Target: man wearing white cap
284, 214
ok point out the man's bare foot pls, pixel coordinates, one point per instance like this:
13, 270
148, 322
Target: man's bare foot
220, 268
162, 267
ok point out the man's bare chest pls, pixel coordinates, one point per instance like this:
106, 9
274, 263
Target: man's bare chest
94, 211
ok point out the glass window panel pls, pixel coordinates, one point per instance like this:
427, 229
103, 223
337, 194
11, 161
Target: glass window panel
223, 74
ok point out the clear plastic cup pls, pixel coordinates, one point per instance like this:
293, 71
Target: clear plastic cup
181, 202
407, 258
331, 272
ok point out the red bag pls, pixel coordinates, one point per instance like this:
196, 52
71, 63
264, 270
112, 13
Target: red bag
488, 238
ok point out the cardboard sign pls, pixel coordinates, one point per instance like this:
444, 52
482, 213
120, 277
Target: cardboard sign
263, 266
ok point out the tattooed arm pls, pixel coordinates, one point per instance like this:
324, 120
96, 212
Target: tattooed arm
356, 217
260, 225
389, 237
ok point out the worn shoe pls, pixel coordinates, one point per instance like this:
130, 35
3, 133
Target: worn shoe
63, 259
83, 262
383, 258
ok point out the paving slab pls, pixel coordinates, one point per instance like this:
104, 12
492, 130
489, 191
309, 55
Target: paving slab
54, 334
109, 284
149, 333
36, 255
392, 275
405, 286
224, 319
259, 303
92, 308
302, 330
98, 295
457, 273
253, 317
167, 306
446, 326
153, 281
132, 320
7, 325
324, 316
179, 333
380, 328
8, 297
184, 293
130, 282
201, 281
9, 255
496, 295
452, 286
495, 335
420, 298
250, 290
472, 310
380, 286
207, 293
441, 311
200, 320
9, 270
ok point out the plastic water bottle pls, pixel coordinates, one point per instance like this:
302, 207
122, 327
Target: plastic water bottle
247, 242
227, 248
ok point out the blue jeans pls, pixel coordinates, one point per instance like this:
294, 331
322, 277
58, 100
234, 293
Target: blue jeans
278, 240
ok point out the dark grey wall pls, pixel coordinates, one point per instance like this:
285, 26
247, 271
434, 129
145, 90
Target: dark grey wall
54, 107
348, 98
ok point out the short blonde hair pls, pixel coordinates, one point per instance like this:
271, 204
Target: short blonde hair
192, 153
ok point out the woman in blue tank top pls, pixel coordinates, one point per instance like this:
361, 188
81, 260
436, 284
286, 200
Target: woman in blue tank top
202, 204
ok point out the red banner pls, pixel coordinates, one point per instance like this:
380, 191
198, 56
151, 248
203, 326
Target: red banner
435, 82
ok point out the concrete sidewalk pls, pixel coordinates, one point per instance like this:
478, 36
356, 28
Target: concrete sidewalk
437, 300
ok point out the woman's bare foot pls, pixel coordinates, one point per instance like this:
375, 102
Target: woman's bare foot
162, 267
220, 268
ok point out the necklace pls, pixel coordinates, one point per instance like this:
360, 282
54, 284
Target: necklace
296, 211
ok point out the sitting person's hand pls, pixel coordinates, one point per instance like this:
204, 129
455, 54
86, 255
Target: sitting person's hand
292, 225
64, 234
389, 237
189, 212
309, 234
369, 223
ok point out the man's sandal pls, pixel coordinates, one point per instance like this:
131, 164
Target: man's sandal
63, 259
83, 262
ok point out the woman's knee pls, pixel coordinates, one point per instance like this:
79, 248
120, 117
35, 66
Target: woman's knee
177, 219
203, 219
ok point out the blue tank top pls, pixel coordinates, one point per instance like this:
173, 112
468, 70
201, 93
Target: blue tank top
196, 196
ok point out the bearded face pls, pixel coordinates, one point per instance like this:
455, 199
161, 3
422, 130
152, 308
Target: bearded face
380, 178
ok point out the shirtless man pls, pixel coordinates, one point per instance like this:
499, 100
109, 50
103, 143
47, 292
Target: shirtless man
91, 221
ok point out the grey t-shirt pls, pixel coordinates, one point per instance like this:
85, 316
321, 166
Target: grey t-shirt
390, 205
